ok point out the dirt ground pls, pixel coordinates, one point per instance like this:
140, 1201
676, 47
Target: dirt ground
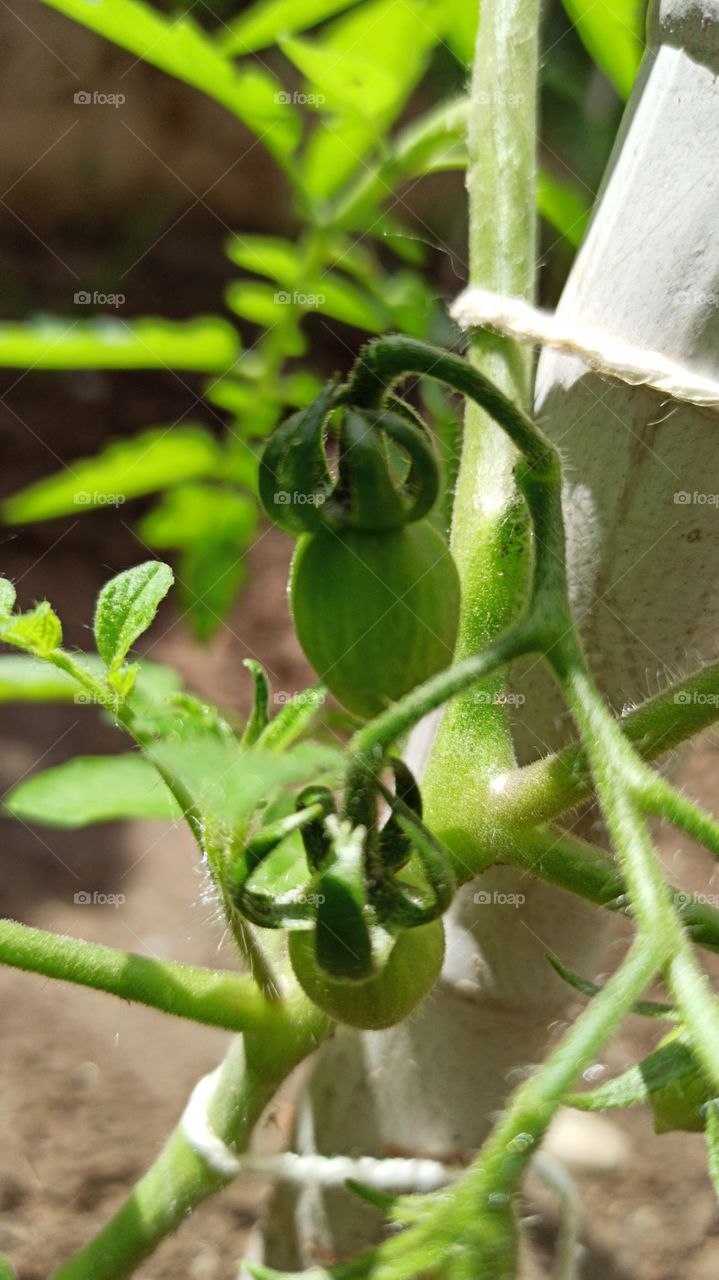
90, 1087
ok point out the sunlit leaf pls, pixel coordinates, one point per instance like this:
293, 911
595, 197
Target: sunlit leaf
564, 205
93, 789
206, 344
126, 607
123, 470
612, 31
228, 783
265, 22
181, 48
38, 632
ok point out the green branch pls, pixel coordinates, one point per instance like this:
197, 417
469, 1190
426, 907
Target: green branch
228, 1000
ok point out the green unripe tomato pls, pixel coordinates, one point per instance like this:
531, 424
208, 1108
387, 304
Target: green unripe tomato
376, 613
408, 976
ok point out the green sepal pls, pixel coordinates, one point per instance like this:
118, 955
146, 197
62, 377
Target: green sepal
343, 944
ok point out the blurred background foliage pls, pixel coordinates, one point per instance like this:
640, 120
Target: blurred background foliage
335, 131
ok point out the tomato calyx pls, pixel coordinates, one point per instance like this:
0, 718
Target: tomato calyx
355, 902
387, 473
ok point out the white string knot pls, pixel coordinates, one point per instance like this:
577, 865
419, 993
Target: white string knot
606, 354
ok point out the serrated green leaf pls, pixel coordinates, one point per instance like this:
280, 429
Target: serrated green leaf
123, 470
612, 31
206, 344
127, 606
181, 48
8, 596
564, 206
39, 631
265, 22
93, 789
228, 783
24, 679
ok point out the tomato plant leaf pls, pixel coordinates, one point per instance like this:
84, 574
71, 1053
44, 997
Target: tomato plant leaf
25, 679
206, 344
127, 606
263, 23
123, 470
227, 783
181, 48
612, 32
39, 631
92, 789
564, 206
669, 1079
296, 714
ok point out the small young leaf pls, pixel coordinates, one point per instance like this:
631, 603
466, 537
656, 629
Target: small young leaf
259, 718
296, 715
127, 606
39, 631
93, 789
123, 680
7, 597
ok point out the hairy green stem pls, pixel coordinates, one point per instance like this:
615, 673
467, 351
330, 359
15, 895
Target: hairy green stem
181, 1178
211, 996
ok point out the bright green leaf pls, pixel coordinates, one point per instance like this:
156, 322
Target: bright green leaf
669, 1079
127, 606
364, 79
612, 31
461, 31
181, 48
206, 344
267, 256
228, 783
196, 513
123, 470
266, 21
39, 631
93, 789
564, 206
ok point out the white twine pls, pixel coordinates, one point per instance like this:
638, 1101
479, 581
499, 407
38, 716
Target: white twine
601, 351
391, 1175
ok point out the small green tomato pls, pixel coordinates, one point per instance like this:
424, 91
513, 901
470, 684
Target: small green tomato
376, 613
413, 967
